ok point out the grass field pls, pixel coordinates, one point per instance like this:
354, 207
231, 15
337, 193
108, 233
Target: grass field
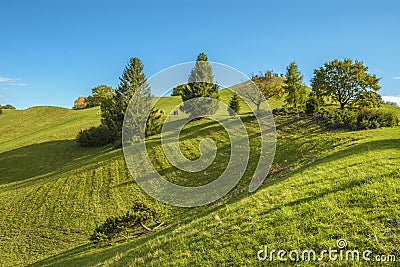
327, 185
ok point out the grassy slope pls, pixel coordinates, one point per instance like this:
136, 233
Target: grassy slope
333, 185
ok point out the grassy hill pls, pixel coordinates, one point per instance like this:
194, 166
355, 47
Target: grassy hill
326, 185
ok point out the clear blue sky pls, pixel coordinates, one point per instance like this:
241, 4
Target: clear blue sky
53, 51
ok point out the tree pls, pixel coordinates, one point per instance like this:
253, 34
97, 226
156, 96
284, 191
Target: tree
268, 85
80, 103
344, 81
296, 91
234, 105
113, 108
369, 99
200, 84
178, 89
99, 93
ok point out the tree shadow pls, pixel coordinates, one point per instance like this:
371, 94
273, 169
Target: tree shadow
49, 158
82, 255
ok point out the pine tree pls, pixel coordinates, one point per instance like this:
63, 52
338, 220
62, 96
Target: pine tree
200, 84
234, 105
113, 108
296, 92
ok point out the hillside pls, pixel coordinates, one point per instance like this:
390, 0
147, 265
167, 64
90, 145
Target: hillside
327, 185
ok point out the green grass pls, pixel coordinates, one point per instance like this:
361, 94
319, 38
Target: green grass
326, 185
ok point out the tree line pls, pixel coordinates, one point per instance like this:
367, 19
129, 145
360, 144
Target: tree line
345, 82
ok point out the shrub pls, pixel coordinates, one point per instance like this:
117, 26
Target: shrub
153, 125
8, 106
363, 119
234, 105
372, 119
312, 104
140, 214
282, 110
96, 136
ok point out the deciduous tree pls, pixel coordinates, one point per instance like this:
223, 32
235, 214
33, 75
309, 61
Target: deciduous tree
344, 81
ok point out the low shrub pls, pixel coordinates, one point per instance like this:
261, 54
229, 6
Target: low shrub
312, 104
141, 214
357, 120
96, 136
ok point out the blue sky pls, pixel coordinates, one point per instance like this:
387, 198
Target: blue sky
51, 52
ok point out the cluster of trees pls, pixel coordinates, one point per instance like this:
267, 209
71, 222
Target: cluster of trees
346, 82
113, 105
8, 106
114, 102
99, 94
391, 103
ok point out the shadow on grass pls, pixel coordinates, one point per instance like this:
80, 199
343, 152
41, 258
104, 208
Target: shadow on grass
49, 158
88, 255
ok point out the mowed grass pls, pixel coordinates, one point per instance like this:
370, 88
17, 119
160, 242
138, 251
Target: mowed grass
326, 185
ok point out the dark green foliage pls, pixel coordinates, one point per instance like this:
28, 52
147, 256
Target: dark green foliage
294, 88
114, 105
112, 114
358, 120
343, 81
153, 125
178, 89
96, 136
200, 84
8, 106
99, 93
113, 108
140, 214
234, 105
369, 99
375, 118
280, 111
312, 104
1, 110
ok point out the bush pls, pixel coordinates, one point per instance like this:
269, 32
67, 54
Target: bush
234, 105
8, 106
153, 125
363, 119
140, 214
96, 136
372, 119
312, 105
280, 111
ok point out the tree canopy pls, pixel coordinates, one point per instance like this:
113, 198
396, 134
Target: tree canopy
99, 93
267, 85
344, 81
